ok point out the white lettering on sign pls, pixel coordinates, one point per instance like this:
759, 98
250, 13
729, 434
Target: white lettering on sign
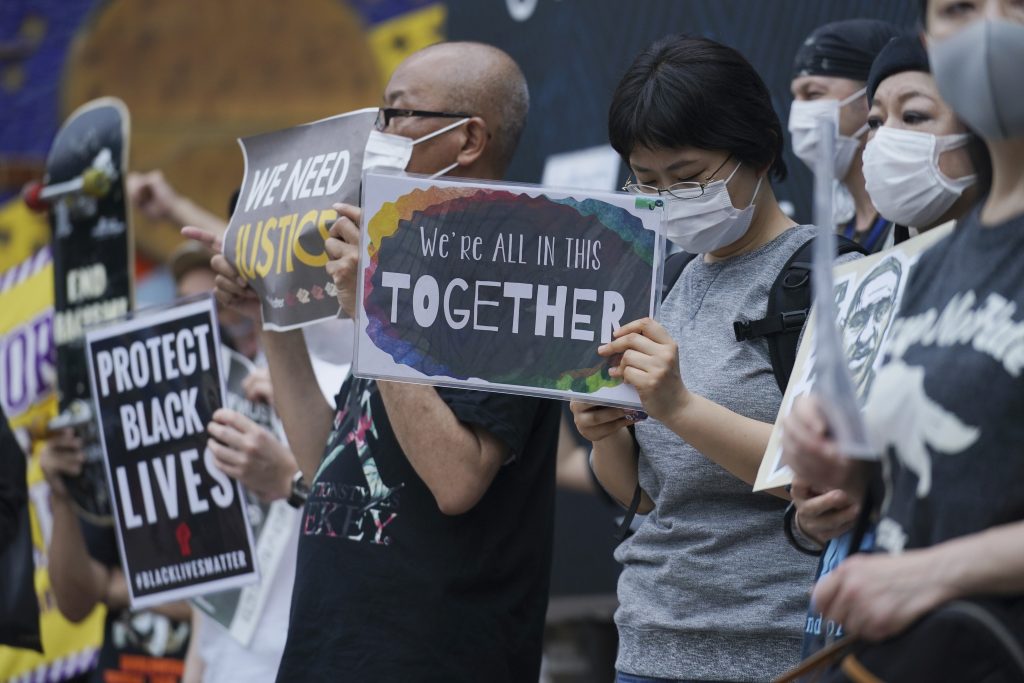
462, 303
88, 282
171, 472
320, 175
158, 359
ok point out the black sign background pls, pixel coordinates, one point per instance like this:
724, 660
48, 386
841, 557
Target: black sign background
216, 531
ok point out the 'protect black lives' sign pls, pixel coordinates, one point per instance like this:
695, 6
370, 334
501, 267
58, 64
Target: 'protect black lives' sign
181, 524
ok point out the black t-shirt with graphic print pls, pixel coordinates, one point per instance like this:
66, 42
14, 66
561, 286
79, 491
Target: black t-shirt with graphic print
388, 588
949, 400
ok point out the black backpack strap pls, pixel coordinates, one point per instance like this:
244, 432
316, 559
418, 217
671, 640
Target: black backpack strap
634, 504
674, 266
627, 521
789, 303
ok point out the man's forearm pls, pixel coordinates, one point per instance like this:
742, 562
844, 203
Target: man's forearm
297, 398
450, 457
989, 562
79, 582
186, 212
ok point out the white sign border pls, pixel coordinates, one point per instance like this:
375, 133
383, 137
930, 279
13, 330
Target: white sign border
622, 395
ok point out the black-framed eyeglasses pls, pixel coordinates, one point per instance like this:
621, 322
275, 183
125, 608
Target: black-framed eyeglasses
688, 189
385, 114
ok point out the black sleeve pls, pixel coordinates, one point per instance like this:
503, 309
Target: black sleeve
508, 418
101, 543
13, 488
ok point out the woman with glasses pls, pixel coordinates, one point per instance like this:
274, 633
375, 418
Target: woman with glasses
709, 590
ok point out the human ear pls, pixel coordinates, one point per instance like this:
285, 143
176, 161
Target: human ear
477, 138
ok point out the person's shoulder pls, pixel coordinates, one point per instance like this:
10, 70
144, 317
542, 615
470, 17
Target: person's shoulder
803, 235
790, 241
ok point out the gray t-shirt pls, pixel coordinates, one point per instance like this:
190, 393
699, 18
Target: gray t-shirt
710, 589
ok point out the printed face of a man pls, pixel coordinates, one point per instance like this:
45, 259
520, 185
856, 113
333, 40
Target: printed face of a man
869, 317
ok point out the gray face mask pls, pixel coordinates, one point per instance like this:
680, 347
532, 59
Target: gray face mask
978, 72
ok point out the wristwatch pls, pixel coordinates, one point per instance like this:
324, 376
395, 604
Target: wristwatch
300, 492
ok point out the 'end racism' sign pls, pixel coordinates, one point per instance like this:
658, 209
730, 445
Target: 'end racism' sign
180, 521
276, 235
507, 288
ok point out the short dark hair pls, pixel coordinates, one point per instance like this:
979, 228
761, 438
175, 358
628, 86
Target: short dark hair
685, 91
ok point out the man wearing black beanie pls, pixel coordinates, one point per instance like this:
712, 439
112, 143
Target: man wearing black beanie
829, 75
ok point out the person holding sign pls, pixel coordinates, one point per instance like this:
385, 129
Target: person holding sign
707, 591
923, 167
945, 409
426, 539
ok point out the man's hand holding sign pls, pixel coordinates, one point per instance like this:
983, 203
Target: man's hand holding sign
342, 248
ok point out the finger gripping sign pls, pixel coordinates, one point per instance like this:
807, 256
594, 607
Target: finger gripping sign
508, 288
180, 521
276, 235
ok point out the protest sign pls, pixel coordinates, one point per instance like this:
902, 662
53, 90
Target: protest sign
276, 235
836, 394
180, 521
501, 287
274, 525
867, 294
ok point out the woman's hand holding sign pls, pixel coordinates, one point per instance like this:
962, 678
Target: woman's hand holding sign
595, 422
342, 249
649, 360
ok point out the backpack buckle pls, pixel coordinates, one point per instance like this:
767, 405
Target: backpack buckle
793, 320
741, 328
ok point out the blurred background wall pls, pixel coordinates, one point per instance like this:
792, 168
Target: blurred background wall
196, 74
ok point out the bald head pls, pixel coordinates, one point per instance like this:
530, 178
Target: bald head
475, 78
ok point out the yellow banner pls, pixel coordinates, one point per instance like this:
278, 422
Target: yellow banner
27, 375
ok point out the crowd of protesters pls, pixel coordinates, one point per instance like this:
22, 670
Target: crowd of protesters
715, 579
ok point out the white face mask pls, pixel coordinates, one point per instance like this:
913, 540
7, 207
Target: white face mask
902, 176
385, 151
803, 128
707, 223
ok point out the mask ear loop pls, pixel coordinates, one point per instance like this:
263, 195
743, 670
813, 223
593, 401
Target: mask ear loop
440, 131
852, 98
738, 164
443, 171
757, 189
944, 143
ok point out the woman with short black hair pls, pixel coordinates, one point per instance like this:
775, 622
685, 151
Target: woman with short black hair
709, 590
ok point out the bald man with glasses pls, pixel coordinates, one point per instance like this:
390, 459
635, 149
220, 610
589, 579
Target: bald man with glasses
425, 545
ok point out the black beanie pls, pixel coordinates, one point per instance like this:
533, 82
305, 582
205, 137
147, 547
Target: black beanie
844, 49
905, 53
